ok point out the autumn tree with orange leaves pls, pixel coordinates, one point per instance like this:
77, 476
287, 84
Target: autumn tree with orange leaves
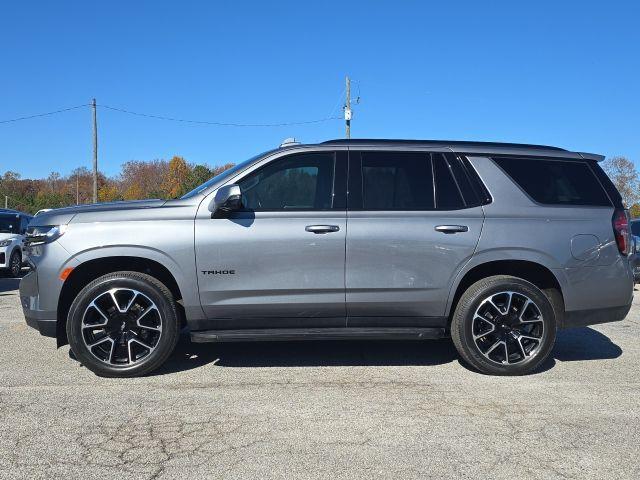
137, 180
176, 178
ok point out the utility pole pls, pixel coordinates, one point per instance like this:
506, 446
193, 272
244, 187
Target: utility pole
95, 152
6, 202
77, 190
347, 109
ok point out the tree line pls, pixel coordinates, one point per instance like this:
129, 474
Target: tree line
624, 175
173, 178
136, 180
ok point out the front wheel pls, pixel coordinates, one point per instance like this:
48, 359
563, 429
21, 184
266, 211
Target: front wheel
504, 325
123, 324
15, 264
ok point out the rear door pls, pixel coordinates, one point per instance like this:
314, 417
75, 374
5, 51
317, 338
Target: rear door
413, 222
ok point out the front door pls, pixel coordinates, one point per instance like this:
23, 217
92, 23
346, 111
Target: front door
412, 224
280, 261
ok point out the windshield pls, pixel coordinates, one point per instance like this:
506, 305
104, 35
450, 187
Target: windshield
222, 176
9, 223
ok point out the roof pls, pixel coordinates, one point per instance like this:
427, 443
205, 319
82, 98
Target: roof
470, 147
12, 212
437, 143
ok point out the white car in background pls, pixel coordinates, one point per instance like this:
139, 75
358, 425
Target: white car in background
13, 225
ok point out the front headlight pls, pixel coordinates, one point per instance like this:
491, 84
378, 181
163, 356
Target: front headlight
44, 234
5, 243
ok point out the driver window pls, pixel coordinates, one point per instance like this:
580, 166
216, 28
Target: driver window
297, 182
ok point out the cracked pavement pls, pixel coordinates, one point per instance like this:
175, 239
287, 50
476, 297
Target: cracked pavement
341, 410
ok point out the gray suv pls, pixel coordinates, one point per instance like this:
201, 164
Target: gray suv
495, 245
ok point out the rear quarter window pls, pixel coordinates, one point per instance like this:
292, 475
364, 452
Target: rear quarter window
556, 182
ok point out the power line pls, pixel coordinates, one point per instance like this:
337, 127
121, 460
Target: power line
43, 114
222, 124
173, 119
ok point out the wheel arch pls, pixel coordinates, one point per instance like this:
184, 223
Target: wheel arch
89, 270
531, 271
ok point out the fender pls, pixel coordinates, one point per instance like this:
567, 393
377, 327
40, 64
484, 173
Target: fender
184, 275
502, 254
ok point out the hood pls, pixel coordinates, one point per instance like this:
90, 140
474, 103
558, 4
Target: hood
7, 236
60, 216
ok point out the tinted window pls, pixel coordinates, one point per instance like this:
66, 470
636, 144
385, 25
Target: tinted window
396, 181
461, 175
608, 185
297, 182
555, 181
9, 223
635, 228
448, 195
481, 194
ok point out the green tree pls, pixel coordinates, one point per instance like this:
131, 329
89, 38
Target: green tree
199, 174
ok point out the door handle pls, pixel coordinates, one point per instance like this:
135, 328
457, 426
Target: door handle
322, 228
451, 228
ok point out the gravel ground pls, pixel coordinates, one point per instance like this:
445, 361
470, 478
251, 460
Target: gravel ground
320, 410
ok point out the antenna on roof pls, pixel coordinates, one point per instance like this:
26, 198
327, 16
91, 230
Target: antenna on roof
287, 142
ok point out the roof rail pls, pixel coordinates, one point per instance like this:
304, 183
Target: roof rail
462, 143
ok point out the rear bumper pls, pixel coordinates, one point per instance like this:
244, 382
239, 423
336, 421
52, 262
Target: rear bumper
582, 318
45, 321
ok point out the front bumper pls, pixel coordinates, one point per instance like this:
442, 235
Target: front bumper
45, 321
4, 257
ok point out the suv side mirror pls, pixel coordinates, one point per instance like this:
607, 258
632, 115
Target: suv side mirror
226, 199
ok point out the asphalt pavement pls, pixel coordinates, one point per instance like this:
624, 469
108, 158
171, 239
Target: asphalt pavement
330, 410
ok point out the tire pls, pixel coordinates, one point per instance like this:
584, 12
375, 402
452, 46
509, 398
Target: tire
15, 264
123, 324
504, 325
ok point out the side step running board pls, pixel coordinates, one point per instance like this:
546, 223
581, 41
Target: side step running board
287, 334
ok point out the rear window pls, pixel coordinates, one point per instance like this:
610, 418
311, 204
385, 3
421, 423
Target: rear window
556, 182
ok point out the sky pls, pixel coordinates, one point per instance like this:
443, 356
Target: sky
558, 73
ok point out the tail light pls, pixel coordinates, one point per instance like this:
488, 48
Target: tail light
620, 223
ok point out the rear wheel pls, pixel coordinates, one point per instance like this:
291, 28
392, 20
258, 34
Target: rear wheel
123, 324
504, 325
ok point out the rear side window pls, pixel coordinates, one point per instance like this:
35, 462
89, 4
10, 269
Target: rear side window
396, 181
556, 182
418, 181
448, 193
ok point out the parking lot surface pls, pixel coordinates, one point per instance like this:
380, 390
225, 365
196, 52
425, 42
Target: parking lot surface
320, 410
